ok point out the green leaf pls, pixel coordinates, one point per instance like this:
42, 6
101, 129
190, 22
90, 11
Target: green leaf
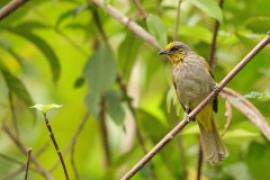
44, 108
240, 133
16, 86
156, 28
44, 47
99, 73
115, 108
210, 7
92, 101
127, 53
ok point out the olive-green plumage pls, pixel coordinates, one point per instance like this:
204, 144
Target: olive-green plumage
193, 82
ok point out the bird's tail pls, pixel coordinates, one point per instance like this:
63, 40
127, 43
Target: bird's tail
213, 147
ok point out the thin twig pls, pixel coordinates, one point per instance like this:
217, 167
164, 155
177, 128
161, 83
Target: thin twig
170, 135
59, 153
29, 151
140, 9
20, 146
13, 114
104, 131
177, 21
74, 142
74, 139
212, 56
42, 149
139, 135
131, 25
10, 7
200, 162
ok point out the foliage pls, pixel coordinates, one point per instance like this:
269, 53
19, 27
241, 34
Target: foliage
55, 51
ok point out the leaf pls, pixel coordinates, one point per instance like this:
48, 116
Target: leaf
127, 53
100, 74
210, 7
258, 24
248, 109
156, 28
44, 47
44, 108
92, 101
115, 108
16, 86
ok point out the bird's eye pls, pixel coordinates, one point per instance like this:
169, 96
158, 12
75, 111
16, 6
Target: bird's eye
175, 48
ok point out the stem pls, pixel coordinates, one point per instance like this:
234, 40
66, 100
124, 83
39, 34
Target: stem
29, 151
10, 7
104, 131
56, 146
139, 135
140, 8
74, 142
212, 56
170, 135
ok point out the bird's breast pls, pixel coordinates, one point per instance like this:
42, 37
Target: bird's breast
193, 83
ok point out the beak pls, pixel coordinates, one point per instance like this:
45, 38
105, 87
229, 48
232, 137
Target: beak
164, 52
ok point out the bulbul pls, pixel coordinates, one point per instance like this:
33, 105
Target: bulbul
193, 81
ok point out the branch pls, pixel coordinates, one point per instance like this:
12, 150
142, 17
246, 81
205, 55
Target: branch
18, 143
131, 25
139, 135
104, 131
74, 142
59, 153
140, 8
29, 151
212, 58
169, 136
10, 7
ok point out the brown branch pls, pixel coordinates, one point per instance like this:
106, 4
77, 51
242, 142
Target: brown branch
139, 135
74, 142
104, 131
22, 148
59, 153
170, 135
177, 20
140, 9
10, 7
200, 162
29, 151
212, 56
131, 25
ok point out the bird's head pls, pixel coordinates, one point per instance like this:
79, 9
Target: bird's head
176, 51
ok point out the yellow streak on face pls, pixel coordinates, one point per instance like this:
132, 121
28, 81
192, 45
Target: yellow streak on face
177, 56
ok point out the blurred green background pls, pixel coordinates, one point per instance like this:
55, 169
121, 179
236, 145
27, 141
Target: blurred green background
73, 53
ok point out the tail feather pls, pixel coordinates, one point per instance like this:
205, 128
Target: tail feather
213, 147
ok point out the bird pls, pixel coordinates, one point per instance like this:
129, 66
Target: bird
193, 81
